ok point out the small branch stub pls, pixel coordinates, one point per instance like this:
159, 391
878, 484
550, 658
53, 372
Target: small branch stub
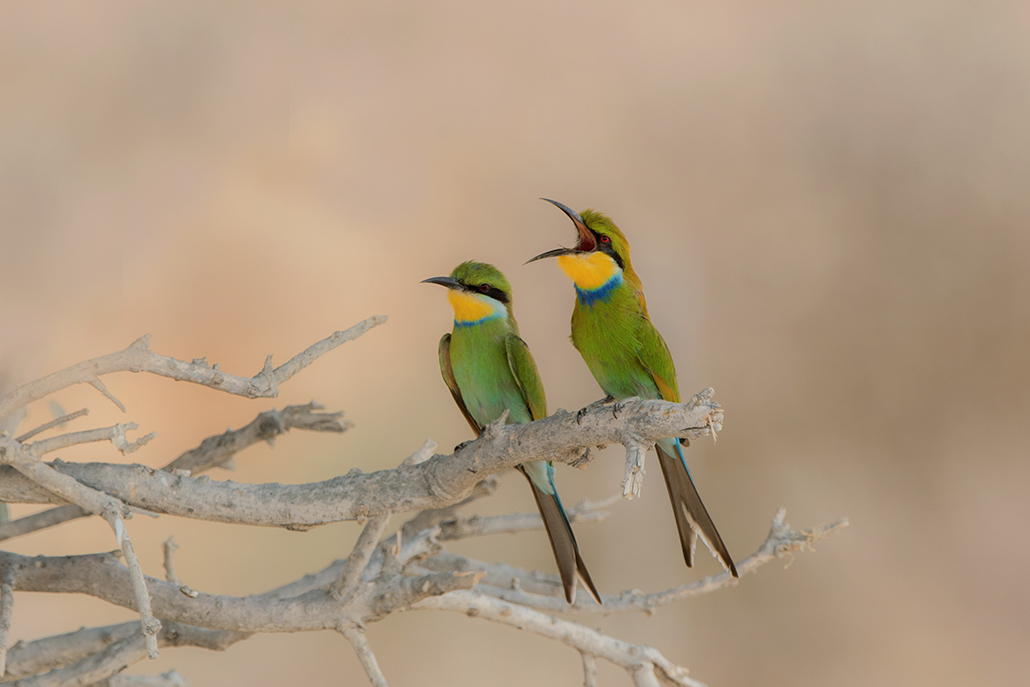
170, 547
633, 480
6, 611
363, 651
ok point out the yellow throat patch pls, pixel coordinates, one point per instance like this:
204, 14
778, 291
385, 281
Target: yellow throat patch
589, 270
471, 307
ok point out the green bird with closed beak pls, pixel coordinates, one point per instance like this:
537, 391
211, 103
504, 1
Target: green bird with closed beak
628, 357
489, 369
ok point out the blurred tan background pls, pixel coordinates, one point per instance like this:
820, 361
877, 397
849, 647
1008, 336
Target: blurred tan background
827, 203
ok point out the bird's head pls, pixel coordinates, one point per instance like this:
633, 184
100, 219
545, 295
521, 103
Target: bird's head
601, 252
477, 292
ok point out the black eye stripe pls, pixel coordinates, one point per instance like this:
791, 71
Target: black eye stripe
604, 244
490, 291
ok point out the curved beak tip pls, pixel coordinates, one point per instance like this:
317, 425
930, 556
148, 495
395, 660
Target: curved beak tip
552, 254
586, 238
573, 215
442, 281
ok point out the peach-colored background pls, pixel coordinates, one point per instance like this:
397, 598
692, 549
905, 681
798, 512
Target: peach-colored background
828, 206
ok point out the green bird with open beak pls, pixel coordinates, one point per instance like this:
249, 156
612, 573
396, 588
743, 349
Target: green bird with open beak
628, 357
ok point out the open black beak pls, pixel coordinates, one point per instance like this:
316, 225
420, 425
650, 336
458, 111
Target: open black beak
443, 281
553, 254
587, 242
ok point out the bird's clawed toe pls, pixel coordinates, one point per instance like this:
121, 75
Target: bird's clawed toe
596, 404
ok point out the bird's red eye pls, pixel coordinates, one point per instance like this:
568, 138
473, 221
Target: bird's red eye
484, 287
605, 239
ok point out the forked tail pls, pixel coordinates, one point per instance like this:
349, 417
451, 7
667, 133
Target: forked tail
563, 541
691, 515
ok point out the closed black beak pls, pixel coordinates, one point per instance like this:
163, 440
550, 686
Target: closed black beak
443, 281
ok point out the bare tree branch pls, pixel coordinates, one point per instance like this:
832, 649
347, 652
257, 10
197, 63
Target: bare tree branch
422, 454
393, 555
538, 586
91, 655
50, 425
99, 386
365, 656
111, 660
6, 611
382, 575
216, 450
357, 562
169, 548
139, 358
479, 526
211, 452
29, 658
432, 517
25, 461
39, 521
346, 584
302, 606
438, 482
589, 669
543, 591
633, 479
307, 605
169, 679
114, 434
644, 663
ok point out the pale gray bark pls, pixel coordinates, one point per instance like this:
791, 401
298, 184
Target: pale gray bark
437, 482
384, 573
212, 452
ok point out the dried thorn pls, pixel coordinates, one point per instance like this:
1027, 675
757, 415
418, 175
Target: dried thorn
99, 386
711, 428
267, 368
493, 430
141, 344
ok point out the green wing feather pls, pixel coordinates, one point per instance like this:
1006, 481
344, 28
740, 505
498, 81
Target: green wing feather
523, 368
655, 357
448, 377
541, 475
